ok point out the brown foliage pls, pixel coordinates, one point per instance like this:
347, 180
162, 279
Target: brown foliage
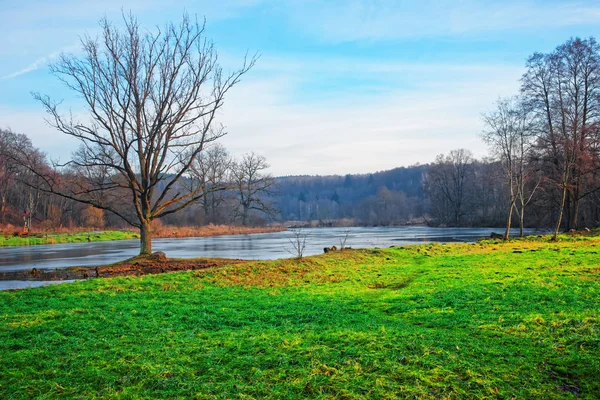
165, 231
93, 217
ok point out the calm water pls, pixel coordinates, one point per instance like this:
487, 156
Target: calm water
262, 246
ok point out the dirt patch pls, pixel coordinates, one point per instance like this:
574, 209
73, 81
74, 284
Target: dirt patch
159, 266
135, 266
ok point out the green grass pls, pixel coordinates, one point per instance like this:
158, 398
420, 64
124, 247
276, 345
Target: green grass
56, 238
485, 320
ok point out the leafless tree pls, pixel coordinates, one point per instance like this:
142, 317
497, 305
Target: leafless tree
152, 100
297, 239
562, 89
510, 136
8, 167
447, 185
251, 184
14, 149
211, 169
344, 239
386, 207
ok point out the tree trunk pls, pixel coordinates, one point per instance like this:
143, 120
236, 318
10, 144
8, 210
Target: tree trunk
205, 209
522, 219
568, 213
509, 222
560, 214
146, 238
245, 216
575, 212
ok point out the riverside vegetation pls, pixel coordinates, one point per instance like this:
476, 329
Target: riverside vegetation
485, 320
160, 231
58, 238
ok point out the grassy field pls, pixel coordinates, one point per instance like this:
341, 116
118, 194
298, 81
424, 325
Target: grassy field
485, 320
56, 238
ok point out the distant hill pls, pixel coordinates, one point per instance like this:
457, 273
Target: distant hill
380, 198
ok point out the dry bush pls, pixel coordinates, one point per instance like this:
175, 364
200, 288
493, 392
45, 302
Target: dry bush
93, 217
8, 229
54, 215
47, 225
160, 230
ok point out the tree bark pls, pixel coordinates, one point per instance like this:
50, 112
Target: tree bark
522, 220
245, 216
575, 212
562, 207
146, 238
509, 222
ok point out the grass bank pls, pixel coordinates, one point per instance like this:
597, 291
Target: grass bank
486, 320
58, 238
160, 231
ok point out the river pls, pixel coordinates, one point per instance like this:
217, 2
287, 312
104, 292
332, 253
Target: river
262, 246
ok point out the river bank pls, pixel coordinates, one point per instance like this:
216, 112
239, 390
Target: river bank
137, 266
159, 263
41, 238
273, 245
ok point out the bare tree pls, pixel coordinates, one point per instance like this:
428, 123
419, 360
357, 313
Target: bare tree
251, 184
8, 167
14, 149
298, 240
447, 185
344, 239
562, 89
152, 100
211, 169
509, 134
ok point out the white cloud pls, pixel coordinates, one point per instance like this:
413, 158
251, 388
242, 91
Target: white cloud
345, 132
360, 133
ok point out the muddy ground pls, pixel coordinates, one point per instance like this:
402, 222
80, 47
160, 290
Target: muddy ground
155, 264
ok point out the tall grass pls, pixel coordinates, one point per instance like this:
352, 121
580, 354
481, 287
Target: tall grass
165, 231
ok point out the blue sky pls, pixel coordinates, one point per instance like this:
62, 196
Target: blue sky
341, 86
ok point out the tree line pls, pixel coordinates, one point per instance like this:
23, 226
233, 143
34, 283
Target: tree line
235, 191
547, 136
455, 190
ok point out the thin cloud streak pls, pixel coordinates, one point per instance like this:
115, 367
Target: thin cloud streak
40, 62
37, 64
